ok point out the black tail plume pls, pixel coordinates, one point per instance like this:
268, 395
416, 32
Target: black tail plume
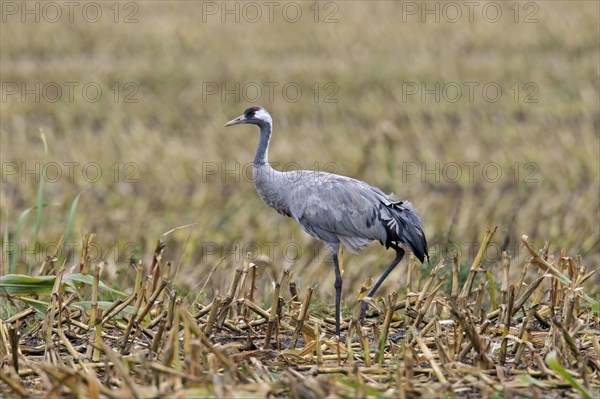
406, 227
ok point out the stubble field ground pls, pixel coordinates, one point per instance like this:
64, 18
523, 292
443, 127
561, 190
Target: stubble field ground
484, 115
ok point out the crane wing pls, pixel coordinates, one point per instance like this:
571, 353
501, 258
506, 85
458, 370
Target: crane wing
336, 208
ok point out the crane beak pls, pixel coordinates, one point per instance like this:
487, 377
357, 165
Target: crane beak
236, 121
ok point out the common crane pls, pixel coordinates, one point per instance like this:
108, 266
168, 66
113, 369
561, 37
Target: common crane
336, 209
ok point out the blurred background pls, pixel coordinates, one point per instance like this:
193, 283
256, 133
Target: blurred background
481, 114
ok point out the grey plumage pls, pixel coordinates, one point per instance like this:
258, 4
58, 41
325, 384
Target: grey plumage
339, 209
333, 208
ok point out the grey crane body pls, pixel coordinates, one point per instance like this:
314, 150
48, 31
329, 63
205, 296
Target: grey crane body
339, 209
335, 209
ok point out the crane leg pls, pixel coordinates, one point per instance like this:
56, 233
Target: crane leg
338, 292
399, 255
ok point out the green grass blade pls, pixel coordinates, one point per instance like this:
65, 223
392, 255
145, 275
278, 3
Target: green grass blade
40, 306
70, 220
102, 304
73, 279
20, 223
555, 366
5, 244
19, 284
38, 222
492, 286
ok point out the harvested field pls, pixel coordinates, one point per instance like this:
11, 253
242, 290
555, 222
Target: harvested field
138, 260
537, 338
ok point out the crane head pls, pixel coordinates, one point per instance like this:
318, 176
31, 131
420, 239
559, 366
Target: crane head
254, 115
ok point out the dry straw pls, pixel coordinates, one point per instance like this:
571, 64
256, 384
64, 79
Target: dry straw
518, 338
